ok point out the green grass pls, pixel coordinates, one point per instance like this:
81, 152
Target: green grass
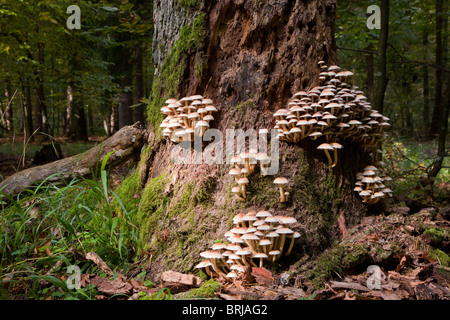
51, 228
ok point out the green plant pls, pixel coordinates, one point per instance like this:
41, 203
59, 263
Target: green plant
51, 227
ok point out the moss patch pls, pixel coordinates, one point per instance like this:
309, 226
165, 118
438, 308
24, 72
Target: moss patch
150, 210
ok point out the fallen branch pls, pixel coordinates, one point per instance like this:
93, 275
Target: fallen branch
127, 142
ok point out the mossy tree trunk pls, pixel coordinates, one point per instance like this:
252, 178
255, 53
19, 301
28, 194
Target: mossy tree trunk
250, 57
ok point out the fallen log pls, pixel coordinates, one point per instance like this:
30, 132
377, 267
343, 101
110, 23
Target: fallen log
124, 144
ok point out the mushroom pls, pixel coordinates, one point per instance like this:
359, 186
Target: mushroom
326, 147
236, 173
206, 264
212, 256
237, 192
274, 254
261, 256
335, 146
283, 232
281, 181
242, 183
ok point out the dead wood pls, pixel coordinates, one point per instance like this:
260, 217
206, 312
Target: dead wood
127, 142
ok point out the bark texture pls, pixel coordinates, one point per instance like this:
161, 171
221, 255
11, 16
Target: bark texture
257, 54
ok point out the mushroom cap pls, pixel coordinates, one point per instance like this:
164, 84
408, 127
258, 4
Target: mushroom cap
265, 242
287, 220
234, 247
204, 264
284, 231
243, 181
272, 219
211, 254
218, 246
243, 252
232, 274
235, 172
249, 236
263, 214
325, 146
280, 180
260, 255
236, 190
274, 252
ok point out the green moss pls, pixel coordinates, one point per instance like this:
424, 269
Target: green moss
203, 194
167, 83
441, 256
189, 3
150, 210
207, 290
437, 235
200, 64
335, 262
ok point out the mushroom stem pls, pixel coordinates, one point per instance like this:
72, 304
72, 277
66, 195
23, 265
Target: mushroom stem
217, 269
243, 191
280, 247
330, 161
291, 245
335, 158
282, 196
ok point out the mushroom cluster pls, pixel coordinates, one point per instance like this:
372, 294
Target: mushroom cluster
187, 117
255, 238
336, 110
244, 165
371, 185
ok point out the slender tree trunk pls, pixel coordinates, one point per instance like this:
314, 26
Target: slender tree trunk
437, 111
27, 110
381, 76
9, 108
370, 72
138, 85
77, 125
126, 93
41, 118
426, 90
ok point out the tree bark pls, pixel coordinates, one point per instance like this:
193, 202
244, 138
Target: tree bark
257, 55
9, 119
381, 75
41, 117
124, 144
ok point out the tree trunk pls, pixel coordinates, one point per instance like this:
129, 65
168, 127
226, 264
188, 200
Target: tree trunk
41, 117
77, 125
370, 73
426, 90
126, 93
9, 118
27, 116
138, 85
257, 54
124, 144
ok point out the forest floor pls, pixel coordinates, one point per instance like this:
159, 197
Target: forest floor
401, 254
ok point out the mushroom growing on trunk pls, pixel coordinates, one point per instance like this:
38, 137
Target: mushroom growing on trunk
281, 181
